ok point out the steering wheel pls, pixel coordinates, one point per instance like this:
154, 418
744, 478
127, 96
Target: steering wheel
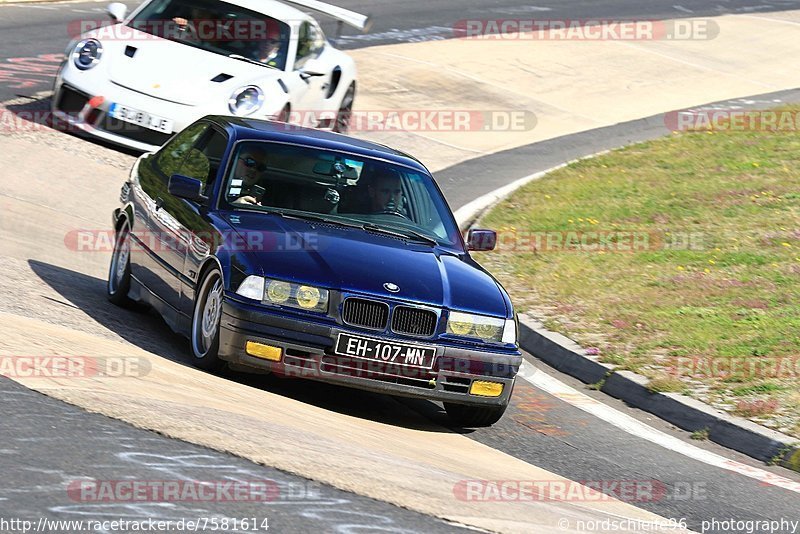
396, 212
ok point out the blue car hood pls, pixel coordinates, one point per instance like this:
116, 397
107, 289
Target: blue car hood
350, 259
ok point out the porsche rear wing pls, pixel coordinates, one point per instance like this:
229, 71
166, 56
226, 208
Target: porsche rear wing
356, 20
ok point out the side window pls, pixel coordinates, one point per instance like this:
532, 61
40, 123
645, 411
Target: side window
204, 159
171, 156
310, 41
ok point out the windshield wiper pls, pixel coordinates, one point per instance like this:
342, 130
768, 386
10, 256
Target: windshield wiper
404, 233
316, 218
248, 60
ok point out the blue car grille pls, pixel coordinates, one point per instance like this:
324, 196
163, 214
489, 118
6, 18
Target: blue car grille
414, 321
365, 313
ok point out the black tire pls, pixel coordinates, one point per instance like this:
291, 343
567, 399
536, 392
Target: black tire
119, 270
342, 123
285, 114
474, 416
206, 318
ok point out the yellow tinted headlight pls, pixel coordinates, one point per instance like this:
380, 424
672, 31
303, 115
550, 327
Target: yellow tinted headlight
278, 291
475, 326
459, 324
307, 296
296, 296
487, 331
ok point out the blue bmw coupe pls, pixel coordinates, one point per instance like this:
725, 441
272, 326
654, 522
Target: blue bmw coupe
315, 255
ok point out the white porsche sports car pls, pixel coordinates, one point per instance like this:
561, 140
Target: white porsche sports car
151, 74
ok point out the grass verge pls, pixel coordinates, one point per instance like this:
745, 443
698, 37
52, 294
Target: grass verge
677, 258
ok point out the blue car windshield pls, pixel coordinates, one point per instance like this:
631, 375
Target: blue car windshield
339, 187
217, 27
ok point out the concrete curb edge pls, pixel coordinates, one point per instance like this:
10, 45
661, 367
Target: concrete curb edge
686, 413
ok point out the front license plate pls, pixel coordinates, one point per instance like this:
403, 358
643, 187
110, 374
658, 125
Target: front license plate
140, 118
380, 350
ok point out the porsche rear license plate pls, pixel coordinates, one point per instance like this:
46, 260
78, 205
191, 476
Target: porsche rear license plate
140, 118
391, 352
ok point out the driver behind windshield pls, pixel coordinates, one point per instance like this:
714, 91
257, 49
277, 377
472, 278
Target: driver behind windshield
189, 26
250, 166
386, 194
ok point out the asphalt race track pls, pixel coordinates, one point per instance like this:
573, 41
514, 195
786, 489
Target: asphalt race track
33, 30
48, 444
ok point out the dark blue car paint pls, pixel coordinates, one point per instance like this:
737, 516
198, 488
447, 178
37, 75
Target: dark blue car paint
344, 260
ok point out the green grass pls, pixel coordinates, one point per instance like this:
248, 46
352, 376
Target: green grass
715, 272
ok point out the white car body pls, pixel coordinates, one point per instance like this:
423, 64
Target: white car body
165, 84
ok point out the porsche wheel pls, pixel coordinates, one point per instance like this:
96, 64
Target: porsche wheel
342, 124
119, 271
474, 416
206, 321
284, 115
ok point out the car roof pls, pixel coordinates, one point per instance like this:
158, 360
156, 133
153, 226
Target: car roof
273, 8
264, 130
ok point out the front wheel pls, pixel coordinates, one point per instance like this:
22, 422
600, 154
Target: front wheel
342, 124
474, 416
119, 272
206, 321
284, 115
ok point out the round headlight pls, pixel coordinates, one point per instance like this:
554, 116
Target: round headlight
487, 331
87, 53
307, 296
69, 49
459, 324
246, 100
278, 292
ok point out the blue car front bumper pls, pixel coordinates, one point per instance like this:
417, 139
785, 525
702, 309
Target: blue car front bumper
307, 351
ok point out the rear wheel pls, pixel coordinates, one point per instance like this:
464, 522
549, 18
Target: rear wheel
206, 321
342, 124
474, 416
119, 271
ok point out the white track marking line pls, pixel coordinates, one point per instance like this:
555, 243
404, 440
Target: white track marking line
691, 64
771, 19
635, 427
439, 141
483, 81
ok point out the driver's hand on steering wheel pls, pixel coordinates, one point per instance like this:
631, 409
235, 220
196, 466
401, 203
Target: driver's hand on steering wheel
247, 200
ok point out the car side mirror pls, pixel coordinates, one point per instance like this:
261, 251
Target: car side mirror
313, 67
117, 11
480, 240
184, 187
